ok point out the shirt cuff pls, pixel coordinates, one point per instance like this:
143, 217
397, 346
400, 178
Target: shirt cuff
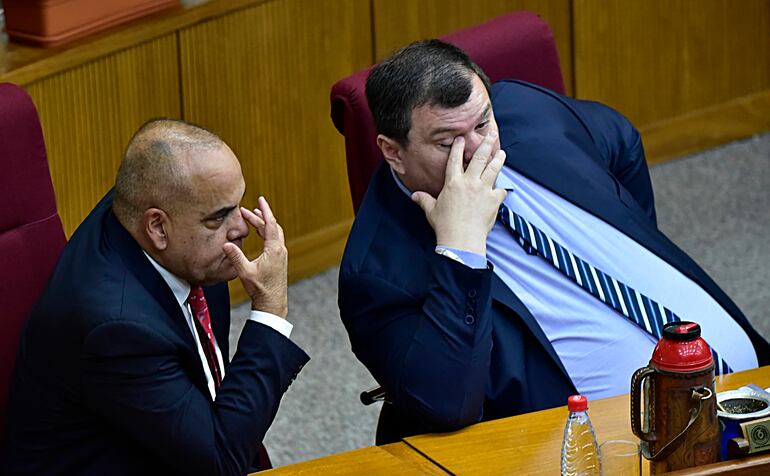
469, 259
271, 320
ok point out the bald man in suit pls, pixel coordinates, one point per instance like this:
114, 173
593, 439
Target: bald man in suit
123, 366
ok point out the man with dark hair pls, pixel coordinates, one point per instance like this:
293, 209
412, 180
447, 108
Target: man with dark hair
444, 79
123, 363
506, 254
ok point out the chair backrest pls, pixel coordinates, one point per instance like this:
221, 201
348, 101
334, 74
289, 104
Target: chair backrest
517, 45
31, 234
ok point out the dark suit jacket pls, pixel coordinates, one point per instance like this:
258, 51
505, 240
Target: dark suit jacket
453, 345
108, 379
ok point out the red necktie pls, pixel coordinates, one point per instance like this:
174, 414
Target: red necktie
203, 325
202, 321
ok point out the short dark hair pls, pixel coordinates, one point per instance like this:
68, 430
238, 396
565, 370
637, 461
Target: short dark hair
428, 72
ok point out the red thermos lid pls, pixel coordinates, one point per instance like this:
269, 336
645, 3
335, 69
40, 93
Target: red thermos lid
681, 349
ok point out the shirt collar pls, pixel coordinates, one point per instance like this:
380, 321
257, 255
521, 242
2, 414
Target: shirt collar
179, 286
400, 183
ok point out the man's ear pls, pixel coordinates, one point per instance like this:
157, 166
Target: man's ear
154, 225
392, 151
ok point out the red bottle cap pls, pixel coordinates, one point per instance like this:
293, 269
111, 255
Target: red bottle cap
681, 349
577, 403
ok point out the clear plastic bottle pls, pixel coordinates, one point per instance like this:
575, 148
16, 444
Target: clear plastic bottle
579, 450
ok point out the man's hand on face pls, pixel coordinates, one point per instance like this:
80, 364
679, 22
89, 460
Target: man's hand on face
265, 278
465, 210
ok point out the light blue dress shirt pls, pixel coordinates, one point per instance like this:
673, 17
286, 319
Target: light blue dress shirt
600, 348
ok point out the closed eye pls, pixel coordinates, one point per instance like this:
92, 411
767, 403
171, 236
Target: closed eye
214, 223
216, 219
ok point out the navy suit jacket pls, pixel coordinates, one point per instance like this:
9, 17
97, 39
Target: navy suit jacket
108, 379
453, 345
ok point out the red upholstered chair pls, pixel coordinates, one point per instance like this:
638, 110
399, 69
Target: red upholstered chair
517, 45
31, 234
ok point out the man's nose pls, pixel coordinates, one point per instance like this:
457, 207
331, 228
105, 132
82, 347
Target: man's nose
472, 142
239, 229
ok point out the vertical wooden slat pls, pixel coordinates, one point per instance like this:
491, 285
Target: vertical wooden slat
659, 59
89, 113
399, 22
260, 78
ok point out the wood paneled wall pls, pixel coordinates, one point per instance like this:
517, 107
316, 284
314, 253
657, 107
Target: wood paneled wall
659, 59
271, 106
399, 22
89, 113
690, 73
258, 73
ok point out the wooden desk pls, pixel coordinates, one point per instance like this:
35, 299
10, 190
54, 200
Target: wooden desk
531, 444
521, 445
396, 458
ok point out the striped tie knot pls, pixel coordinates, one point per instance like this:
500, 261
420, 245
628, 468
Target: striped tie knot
506, 218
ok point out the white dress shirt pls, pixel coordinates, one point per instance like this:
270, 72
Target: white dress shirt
181, 290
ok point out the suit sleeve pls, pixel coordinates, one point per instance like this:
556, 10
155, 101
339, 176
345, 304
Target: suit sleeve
620, 146
134, 379
431, 355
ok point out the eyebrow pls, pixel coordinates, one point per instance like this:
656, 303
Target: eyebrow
443, 130
222, 212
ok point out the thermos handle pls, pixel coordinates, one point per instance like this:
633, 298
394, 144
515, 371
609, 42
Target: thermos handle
636, 395
699, 394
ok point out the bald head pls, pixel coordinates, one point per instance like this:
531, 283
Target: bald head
156, 167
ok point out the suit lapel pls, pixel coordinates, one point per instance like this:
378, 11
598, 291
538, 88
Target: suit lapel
414, 218
408, 212
568, 163
136, 262
581, 182
218, 301
590, 187
557, 152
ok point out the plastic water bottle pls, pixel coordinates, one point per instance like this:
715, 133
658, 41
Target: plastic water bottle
579, 451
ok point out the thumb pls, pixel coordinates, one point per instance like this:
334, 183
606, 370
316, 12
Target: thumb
236, 257
500, 194
424, 201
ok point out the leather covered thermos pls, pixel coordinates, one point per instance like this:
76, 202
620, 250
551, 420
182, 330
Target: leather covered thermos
677, 420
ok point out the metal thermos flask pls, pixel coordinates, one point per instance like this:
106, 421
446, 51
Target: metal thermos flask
673, 402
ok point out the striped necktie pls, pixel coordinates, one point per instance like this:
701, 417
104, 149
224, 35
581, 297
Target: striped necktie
635, 306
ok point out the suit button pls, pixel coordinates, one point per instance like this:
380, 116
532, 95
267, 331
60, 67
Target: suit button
472, 293
469, 319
